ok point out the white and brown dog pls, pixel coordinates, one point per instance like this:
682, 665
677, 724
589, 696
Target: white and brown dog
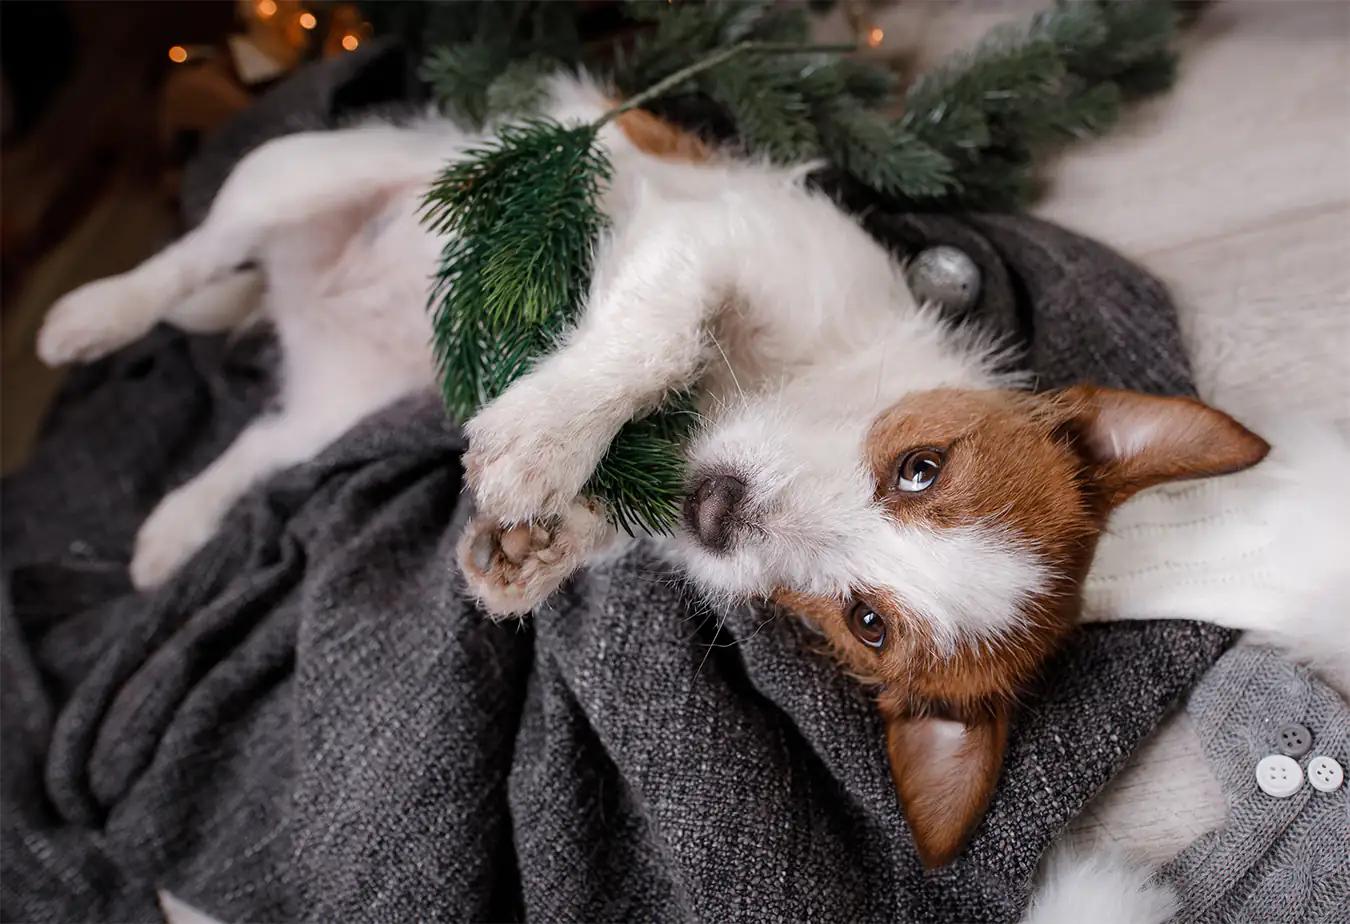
859, 462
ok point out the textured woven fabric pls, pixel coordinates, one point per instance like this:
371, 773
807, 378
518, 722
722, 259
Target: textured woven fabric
310, 721
1274, 860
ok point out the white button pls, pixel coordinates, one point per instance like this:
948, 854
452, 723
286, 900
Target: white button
1279, 776
1325, 774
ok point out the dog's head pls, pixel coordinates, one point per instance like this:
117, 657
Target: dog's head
939, 547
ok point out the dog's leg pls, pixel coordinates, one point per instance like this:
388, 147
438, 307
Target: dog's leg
109, 313
643, 333
272, 192
188, 516
222, 304
327, 390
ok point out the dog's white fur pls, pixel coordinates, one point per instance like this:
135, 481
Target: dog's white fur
1101, 886
798, 325
702, 276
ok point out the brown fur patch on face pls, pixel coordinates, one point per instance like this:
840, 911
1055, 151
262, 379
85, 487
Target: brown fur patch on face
911, 673
1047, 470
659, 138
1002, 467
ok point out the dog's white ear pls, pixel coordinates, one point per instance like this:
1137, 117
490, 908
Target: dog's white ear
1133, 441
945, 771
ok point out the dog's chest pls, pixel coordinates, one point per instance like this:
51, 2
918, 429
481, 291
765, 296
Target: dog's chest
359, 278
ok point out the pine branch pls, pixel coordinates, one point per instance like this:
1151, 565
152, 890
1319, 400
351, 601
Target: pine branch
488, 55
519, 216
684, 34
641, 478
1061, 76
772, 116
519, 89
882, 155
460, 76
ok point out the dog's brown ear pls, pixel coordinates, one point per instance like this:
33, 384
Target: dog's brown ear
1133, 441
944, 772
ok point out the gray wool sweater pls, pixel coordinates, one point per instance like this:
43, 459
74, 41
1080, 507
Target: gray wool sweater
1274, 859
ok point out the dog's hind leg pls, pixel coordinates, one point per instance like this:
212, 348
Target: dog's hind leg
327, 386
222, 304
272, 194
317, 408
188, 516
109, 313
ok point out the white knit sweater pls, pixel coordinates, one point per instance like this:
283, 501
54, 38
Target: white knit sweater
1266, 550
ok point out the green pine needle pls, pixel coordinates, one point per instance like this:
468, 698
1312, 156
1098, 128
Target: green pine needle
519, 216
766, 103
522, 212
641, 479
1059, 77
460, 75
519, 89
883, 156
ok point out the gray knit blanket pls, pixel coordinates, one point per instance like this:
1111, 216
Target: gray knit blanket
311, 721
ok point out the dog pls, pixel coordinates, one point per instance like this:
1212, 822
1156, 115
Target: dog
859, 462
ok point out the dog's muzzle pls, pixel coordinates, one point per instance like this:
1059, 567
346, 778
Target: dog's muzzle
710, 510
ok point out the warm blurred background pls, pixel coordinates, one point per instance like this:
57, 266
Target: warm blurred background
103, 103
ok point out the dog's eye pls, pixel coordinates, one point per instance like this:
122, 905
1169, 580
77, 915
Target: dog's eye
866, 626
918, 470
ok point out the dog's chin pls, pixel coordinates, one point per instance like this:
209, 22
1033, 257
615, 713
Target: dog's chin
732, 572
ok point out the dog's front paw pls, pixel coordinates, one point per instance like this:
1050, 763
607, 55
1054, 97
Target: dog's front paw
93, 321
177, 528
530, 455
513, 569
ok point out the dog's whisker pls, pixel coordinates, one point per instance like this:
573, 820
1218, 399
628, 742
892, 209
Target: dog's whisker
730, 370
711, 645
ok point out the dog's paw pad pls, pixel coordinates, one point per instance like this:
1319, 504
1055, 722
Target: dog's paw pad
513, 569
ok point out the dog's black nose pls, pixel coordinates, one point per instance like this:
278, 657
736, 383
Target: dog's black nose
710, 507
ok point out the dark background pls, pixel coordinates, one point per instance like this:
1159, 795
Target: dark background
97, 122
